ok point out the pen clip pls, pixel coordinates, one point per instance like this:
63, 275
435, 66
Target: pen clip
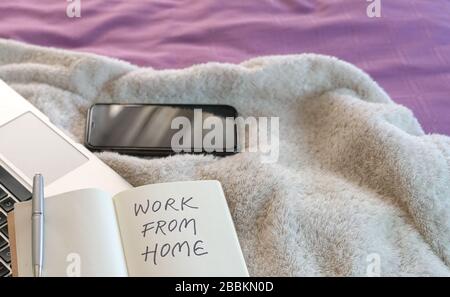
38, 194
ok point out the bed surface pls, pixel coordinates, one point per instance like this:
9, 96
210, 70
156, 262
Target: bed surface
407, 50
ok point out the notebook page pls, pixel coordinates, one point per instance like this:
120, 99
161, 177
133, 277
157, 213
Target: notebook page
178, 229
81, 236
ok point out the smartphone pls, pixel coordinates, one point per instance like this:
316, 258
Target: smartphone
162, 129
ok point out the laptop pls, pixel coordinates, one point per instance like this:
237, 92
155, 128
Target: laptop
30, 144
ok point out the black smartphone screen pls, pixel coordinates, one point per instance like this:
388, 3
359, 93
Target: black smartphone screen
154, 129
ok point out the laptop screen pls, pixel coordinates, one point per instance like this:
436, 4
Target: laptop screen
33, 147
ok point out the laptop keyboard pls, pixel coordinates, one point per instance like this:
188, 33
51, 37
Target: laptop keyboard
11, 191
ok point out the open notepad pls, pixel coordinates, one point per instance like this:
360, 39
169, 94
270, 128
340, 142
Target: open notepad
170, 229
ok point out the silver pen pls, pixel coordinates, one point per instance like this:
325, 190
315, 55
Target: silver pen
37, 219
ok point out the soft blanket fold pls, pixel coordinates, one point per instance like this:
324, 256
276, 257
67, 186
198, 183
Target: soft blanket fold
358, 189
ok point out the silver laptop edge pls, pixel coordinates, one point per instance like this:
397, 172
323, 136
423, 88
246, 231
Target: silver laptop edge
30, 143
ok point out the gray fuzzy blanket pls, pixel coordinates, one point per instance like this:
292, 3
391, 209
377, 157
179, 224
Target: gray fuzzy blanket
358, 189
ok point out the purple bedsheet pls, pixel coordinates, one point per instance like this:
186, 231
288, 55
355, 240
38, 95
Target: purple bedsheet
407, 50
